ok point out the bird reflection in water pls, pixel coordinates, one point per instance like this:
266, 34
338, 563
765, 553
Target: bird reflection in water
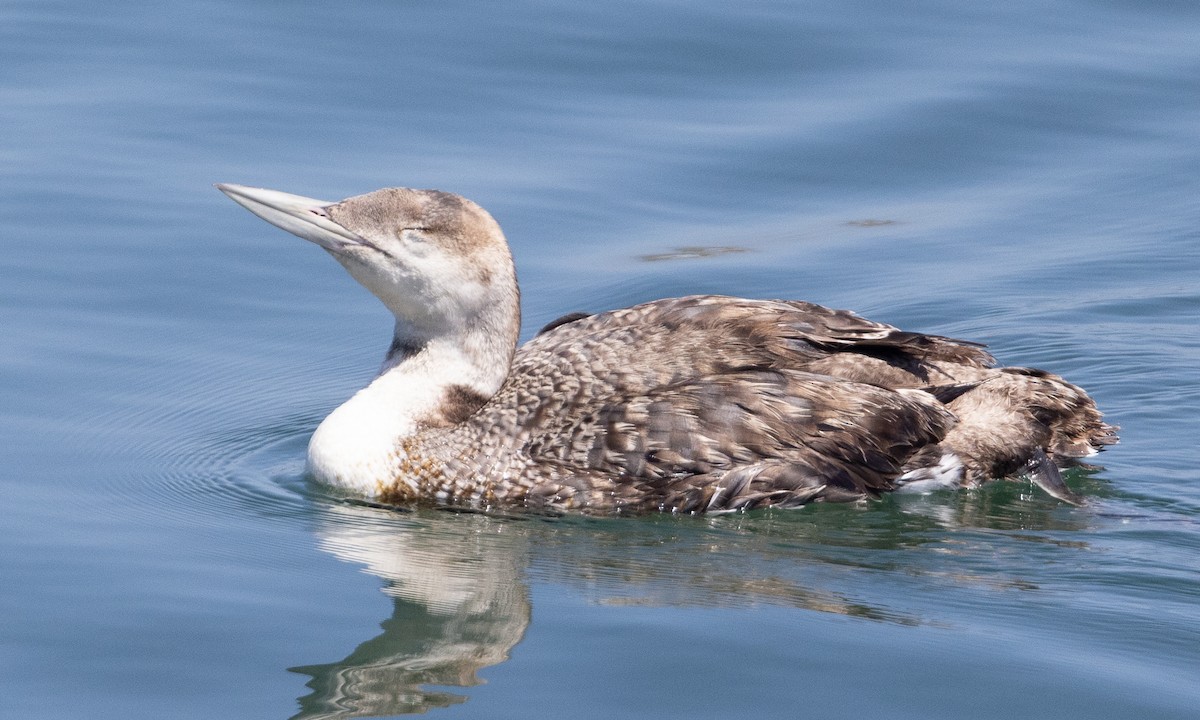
459, 605
461, 600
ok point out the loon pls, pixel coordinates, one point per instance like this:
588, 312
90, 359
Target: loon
688, 405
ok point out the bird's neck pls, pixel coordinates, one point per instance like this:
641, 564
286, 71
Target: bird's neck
424, 383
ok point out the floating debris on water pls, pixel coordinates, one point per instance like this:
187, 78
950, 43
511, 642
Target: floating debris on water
870, 223
689, 252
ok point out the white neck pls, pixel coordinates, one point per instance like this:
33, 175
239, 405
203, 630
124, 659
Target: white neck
359, 446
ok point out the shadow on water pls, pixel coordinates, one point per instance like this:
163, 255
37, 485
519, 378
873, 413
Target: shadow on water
460, 582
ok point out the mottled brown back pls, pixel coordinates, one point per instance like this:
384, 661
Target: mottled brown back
704, 403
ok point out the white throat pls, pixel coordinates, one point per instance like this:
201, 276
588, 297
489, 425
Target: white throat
359, 447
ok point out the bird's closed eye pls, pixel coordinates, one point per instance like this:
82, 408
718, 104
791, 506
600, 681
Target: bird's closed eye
414, 233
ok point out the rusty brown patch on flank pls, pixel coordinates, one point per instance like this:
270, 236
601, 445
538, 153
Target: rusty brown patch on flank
417, 477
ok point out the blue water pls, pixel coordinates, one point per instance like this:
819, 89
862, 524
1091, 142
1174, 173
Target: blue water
1025, 174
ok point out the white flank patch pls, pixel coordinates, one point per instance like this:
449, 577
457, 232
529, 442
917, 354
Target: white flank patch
946, 474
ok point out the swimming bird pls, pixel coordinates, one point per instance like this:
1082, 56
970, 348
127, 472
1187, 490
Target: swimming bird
692, 404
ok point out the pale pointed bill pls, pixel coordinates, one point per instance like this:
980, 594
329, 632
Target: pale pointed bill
299, 215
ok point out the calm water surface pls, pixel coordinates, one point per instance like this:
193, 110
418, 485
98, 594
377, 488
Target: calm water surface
1025, 175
